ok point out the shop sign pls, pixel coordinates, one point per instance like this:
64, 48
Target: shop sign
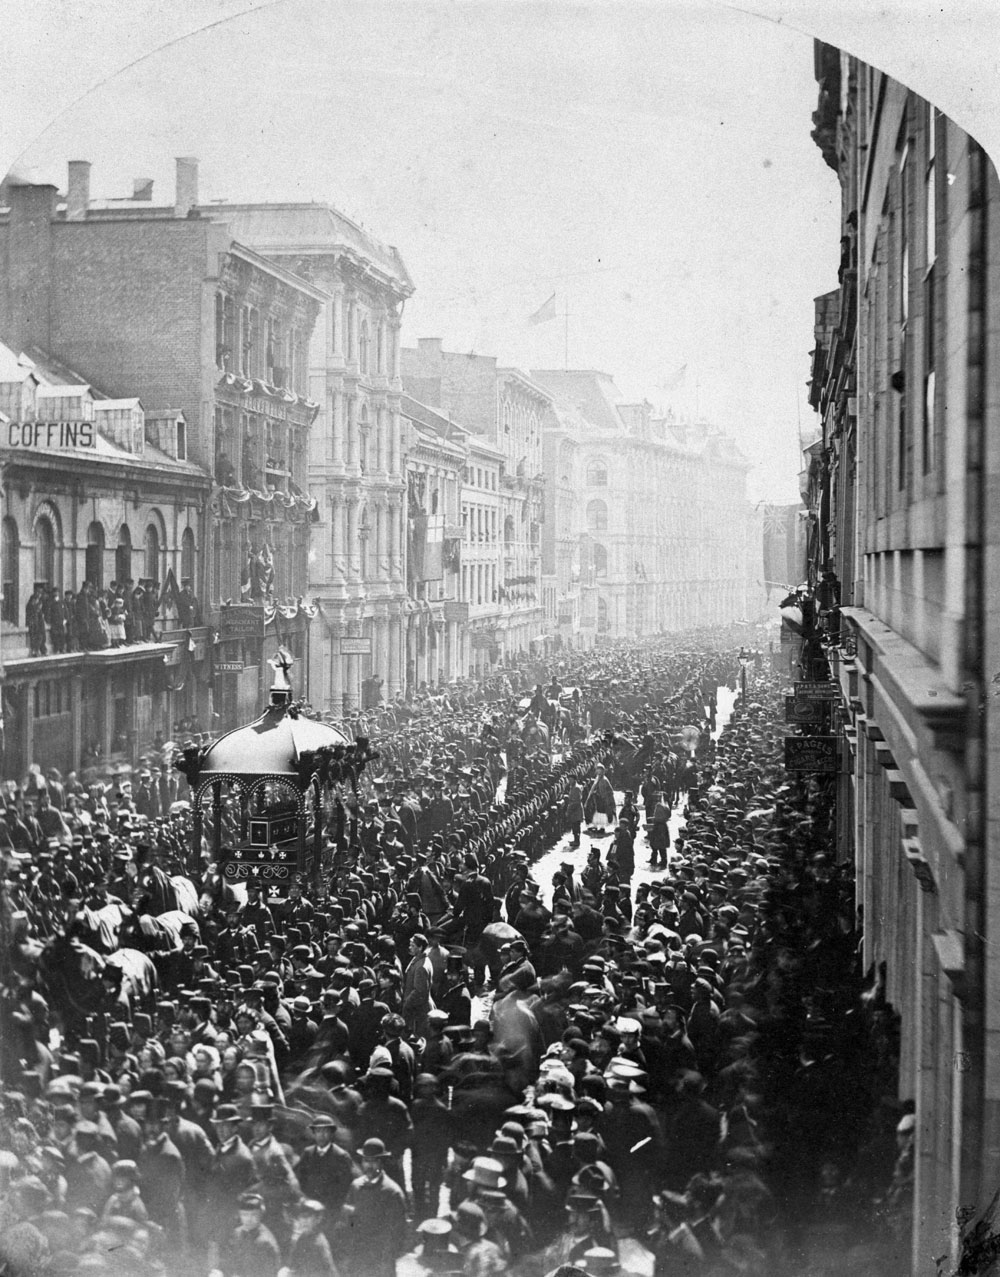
802, 711
229, 667
817, 691
811, 753
40, 436
356, 646
241, 621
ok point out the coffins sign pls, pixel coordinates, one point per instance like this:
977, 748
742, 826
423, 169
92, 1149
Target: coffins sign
811, 753
41, 436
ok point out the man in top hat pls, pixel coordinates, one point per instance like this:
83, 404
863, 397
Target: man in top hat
161, 1170
275, 1179
325, 1171
233, 1170
377, 1215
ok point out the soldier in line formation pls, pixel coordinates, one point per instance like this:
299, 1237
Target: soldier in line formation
432, 1061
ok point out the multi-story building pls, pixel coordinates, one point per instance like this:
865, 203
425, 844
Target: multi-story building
504, 409
436, 450
161, 302
97, 497
903, 490
356, 467
663, 512
482, 586
568, 578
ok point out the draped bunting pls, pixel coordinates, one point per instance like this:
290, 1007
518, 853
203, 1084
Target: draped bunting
254, 385
285, 500
289, 610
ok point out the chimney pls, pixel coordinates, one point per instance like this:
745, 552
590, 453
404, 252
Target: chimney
187, 185
78, 190
142, 188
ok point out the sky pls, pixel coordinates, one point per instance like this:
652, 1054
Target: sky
651, 165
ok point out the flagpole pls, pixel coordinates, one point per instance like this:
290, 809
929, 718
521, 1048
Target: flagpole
566, 334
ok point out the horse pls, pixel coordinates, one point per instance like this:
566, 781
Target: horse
71, 974
535, 734
157, 893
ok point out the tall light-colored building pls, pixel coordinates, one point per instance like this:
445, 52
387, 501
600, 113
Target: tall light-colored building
356, 465
504, 409
902, 491
661, 511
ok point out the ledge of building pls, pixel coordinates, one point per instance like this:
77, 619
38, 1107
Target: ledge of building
915, 682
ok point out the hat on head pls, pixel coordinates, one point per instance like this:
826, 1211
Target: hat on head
487, 1172
251, 1201
372, 1149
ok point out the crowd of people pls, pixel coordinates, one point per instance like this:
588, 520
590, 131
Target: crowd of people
94, 618
443, 1054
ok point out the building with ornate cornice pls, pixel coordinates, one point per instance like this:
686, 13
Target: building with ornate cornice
903, 494
357, 561
660, 516
504, 409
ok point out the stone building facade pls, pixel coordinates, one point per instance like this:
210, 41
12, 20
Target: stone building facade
356, 464
94, 495
661, 511
504, 409
903, 490
436, 450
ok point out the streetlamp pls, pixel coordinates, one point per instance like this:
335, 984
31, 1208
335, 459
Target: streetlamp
744, 659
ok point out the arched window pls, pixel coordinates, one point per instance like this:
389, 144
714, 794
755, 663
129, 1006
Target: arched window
363, 346
95, 555
602, 616
597, 475
45, 550
600, 559
10, 571
508, 528
597, 516
152, 567
123, 555
187, 558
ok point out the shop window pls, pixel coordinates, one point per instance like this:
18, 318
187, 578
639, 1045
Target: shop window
10, 571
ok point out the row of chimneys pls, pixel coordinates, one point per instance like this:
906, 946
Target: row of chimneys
78, 188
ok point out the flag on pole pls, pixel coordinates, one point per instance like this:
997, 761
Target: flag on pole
545, 312
675, 380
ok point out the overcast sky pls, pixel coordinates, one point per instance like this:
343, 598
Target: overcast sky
651, 165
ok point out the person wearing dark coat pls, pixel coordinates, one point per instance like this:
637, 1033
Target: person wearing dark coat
309, 1254
251, 1250
161, 1171
325, 1171
233, 1170
376, 1209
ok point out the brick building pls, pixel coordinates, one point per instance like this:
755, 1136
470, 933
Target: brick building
95, 494
504, 409
902, 488
161, 302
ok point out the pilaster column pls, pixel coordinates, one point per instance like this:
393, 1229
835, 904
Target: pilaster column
394, 680
337, 427
395, 563
337, 518
353, 440
395, 433
353, 541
